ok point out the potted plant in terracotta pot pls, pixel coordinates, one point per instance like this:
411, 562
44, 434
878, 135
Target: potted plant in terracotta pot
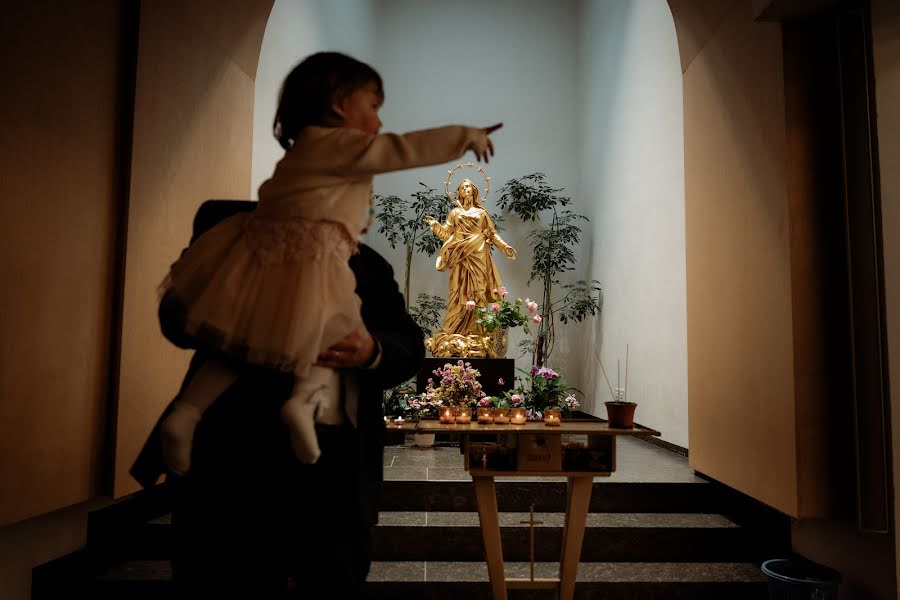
619, 411
620, 414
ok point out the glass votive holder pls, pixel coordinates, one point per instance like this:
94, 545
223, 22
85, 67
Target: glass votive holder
551, 416
447, 414
501, 416
517, 416
485, 415
464, 415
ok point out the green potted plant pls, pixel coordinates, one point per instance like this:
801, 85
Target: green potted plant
532, 199
543, 388
619, 410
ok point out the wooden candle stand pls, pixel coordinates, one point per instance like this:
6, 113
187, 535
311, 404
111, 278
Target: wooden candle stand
534, 449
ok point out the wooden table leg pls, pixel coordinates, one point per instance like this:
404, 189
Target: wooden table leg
486, 497
577, 504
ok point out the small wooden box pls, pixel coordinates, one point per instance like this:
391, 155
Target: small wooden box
539, 452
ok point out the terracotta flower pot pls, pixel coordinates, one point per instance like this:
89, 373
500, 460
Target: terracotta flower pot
621, 414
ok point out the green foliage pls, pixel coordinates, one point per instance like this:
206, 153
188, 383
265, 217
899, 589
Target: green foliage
427, 312
582, 297
525, 347
553, 246
539, 389
401, 221
396, 399
529, 195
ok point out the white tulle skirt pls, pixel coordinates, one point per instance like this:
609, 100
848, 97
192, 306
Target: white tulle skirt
273, 291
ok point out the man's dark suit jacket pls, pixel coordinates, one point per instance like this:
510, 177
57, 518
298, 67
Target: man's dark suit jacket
248, 509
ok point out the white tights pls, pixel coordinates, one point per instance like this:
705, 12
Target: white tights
316, 393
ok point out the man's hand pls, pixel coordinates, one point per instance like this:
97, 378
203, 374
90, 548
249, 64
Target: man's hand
355, 350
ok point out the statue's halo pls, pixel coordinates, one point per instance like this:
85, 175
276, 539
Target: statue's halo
471, 165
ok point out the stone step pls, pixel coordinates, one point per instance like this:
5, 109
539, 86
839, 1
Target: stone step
455, 536
610, 581
146, 579
448, 536
549, 495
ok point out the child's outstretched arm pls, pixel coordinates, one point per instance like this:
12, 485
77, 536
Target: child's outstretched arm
358, 153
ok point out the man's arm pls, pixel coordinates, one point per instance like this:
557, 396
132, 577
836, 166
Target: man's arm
384, 314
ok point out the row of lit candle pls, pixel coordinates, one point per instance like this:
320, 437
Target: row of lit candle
494, 416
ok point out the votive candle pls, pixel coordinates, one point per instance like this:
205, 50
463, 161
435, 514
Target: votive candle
517, 416
463, 415
501, 416
485, 415
551, 416
448, 415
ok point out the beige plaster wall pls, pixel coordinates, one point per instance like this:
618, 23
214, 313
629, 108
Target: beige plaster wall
193, 126
58, 154
740, 346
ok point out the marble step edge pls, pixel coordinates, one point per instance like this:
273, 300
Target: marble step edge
448, 572
595, 520
547, 520
517, 496
588, 572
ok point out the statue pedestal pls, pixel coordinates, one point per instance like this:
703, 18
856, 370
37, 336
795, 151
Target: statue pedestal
491, 369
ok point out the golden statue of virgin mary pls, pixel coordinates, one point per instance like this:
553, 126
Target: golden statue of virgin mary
468, 235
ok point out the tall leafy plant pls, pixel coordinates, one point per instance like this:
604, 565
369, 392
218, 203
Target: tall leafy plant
401, 222
553, 243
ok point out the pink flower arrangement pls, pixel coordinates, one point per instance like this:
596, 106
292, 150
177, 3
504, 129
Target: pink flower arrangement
502, 314
543, 388
457, 385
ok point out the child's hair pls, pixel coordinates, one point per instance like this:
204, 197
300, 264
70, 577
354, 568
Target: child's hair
313, 87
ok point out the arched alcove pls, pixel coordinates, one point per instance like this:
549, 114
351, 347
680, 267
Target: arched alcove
595, 105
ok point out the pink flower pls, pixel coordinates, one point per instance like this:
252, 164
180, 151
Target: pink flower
503, 291
486, 401
536, 319
500, 381
532, 306
495, 307
470, 305
546, 373
516, 399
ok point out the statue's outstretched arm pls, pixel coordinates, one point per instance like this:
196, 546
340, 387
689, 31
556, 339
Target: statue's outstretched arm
495, 238
442, 231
